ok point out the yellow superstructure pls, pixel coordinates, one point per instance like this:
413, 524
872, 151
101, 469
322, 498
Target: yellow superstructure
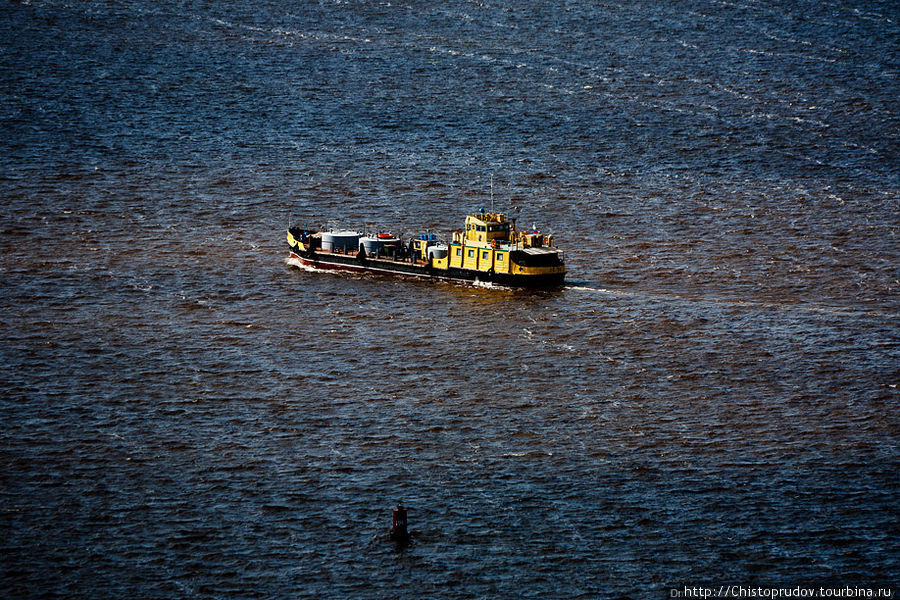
490, 243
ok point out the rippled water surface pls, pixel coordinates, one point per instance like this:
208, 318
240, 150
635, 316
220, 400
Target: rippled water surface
712, 399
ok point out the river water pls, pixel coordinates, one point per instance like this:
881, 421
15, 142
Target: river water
711, 399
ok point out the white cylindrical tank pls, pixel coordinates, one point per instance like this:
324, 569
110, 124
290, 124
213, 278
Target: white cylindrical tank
437, 252
375, 245
341, 241
372, 245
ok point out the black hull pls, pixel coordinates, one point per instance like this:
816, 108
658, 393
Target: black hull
348, 262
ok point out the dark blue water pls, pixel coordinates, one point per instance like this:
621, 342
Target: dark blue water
711, 400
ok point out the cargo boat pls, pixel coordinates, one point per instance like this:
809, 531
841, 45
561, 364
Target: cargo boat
489, 250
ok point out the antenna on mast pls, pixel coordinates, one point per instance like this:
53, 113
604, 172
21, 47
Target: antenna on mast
492, 193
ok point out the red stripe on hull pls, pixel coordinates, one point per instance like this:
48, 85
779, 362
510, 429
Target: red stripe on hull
328, 266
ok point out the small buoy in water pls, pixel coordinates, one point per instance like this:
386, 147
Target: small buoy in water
399, 532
